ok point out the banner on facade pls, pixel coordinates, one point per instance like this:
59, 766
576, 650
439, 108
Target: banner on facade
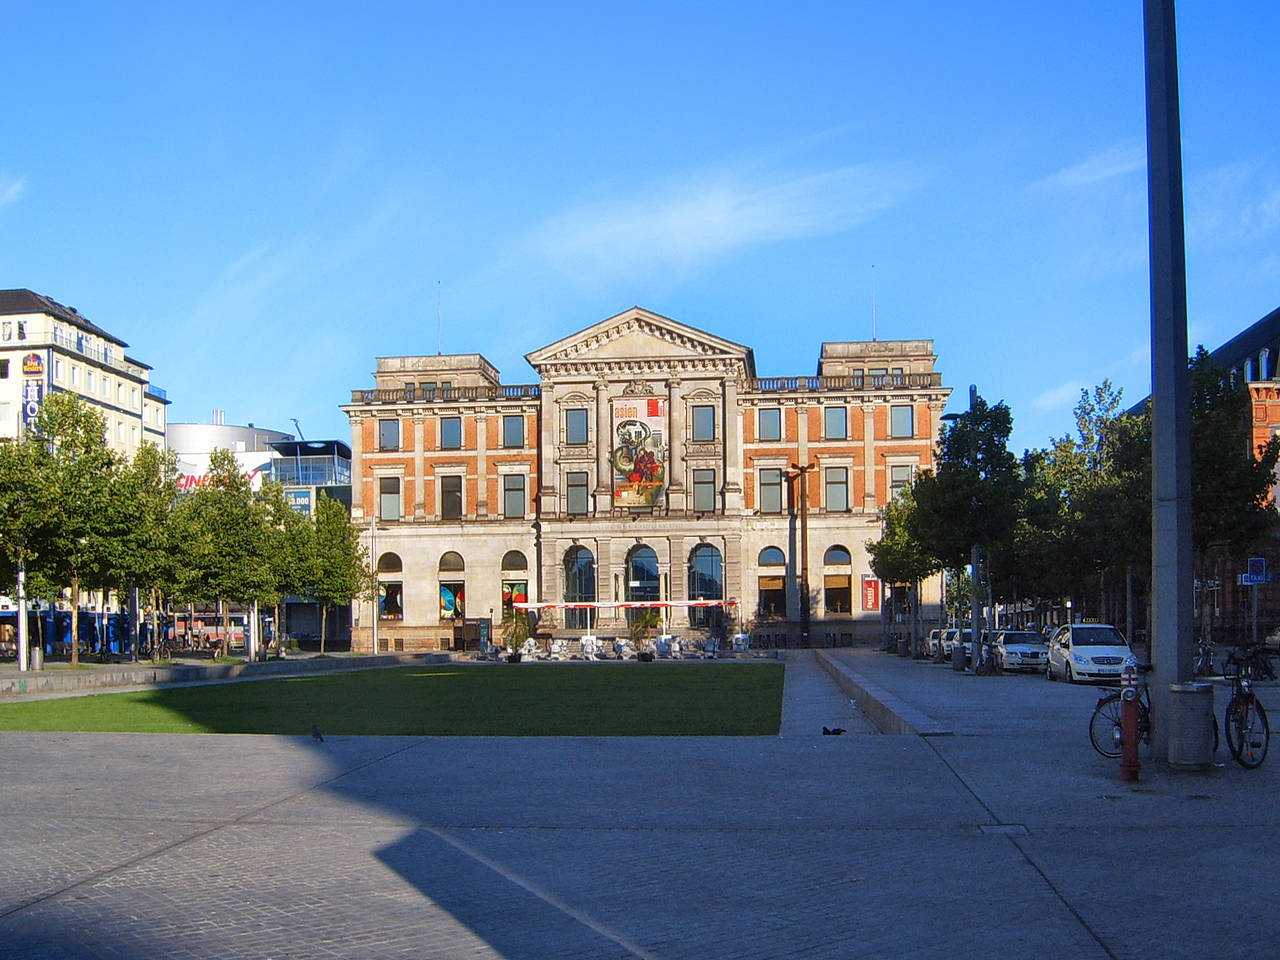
32, 396
639, 451
870, 592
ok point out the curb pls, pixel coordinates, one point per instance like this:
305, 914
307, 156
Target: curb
890, 713
45, 681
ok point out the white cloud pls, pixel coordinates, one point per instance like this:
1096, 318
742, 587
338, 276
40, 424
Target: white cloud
680, 227
1115, 161
11, 189
1063, 397
1235, 203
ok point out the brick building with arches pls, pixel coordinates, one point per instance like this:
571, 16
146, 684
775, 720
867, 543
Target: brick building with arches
648, 462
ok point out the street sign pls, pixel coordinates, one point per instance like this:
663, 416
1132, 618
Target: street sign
1250, 580
1258, 568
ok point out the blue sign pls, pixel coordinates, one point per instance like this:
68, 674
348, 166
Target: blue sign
32, 395
1258, 568
300, 500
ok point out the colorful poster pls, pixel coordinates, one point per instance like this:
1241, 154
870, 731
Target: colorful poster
640, 451
870, 593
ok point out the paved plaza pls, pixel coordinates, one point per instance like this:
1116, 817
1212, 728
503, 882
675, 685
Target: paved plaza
1004, 835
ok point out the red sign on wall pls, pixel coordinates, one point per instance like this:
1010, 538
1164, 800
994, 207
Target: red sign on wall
870, 592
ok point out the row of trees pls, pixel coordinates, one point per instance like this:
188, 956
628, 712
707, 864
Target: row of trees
1073, 521
76, 517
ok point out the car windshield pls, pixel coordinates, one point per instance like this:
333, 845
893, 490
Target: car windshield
1022, 638
1097, 637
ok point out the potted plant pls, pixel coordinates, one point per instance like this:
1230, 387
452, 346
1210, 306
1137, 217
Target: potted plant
642, 627
516, 629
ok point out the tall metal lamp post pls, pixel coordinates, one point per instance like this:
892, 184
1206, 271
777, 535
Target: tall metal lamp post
799, 472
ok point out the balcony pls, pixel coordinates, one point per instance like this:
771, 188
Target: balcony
888, 381
521, 391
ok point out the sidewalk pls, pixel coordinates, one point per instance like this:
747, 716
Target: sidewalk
1002, 834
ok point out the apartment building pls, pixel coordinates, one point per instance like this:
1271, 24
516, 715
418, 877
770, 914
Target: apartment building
46, 347
647, 464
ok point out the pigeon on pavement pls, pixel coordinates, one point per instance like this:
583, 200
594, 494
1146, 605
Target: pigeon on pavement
315, 734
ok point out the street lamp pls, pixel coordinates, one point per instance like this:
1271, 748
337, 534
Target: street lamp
797, 471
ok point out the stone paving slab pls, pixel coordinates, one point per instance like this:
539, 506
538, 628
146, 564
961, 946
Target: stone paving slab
1009, 839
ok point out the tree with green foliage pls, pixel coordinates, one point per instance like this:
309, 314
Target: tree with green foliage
294, 564
144, 497
342, 563
225, 542
900, 557
26, 511
76, 476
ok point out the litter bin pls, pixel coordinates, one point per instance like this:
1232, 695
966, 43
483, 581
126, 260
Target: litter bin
904, 647
1191, 726
37, 656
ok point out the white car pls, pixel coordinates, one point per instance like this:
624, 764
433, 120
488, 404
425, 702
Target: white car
1020, 650
1087, 651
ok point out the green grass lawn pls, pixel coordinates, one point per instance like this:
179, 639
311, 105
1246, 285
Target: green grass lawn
483, 700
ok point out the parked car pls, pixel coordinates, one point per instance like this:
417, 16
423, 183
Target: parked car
956, 635
932, 642
1087, 651
1020, 650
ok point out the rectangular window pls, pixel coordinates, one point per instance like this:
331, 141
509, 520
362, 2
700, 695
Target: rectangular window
450, 433
57, 369
897, 377
391, 600
513, 431
22, 330
512, 496
771, 490
427, 389
4, 369
75, 375
837, 590
90, 384
575, 426
576, 490
704, 491
835, 423
450, 498
388, 434
899, 477
901, 422
704, 423
7, 328
836, 498
388, 498
769, 424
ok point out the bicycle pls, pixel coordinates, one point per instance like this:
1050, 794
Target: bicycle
1248, 733
1204, 658
1104, 726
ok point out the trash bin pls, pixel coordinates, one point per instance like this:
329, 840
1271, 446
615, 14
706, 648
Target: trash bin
37, 656
1191, 726
904, 647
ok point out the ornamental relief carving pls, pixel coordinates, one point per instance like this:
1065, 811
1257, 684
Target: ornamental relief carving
704, 450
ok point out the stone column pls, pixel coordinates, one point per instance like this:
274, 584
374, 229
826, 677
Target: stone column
604, 449
481, 466
419, 468
870, 462
358, 468
731, 462
677, 492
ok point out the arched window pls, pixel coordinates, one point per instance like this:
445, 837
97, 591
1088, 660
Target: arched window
771, 587
389, 563
642, 580
579, 587
706, 582
772, 557
837, 581
515, 581
453, 590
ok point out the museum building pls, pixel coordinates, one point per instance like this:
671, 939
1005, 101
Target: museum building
647, 465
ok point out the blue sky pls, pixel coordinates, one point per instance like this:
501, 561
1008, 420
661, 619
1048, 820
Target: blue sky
263, 198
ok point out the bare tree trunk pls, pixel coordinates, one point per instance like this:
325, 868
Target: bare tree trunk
324, 618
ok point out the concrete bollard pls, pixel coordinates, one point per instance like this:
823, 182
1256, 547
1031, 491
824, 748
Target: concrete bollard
1190, 726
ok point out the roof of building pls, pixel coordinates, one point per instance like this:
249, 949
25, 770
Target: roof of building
25, 301
1248, 343
311, 448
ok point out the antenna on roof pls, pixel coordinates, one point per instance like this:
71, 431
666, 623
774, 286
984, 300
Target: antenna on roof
438, 350
873, 303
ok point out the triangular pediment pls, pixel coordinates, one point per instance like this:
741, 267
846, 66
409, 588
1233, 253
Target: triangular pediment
641, 335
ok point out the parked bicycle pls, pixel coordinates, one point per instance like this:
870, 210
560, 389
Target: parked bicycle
1104, 726
1204, 658
1248, 733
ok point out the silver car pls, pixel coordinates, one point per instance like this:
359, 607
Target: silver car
1020, 650
1087, 651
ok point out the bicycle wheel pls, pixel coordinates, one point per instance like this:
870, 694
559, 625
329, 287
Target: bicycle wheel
1248, 733
1104, 726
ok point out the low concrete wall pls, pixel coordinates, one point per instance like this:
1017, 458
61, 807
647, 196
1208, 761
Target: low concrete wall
129, 675
890, 713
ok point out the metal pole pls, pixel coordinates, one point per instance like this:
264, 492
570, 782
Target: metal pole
24, 646
1172, 641
373, 554
804, 554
